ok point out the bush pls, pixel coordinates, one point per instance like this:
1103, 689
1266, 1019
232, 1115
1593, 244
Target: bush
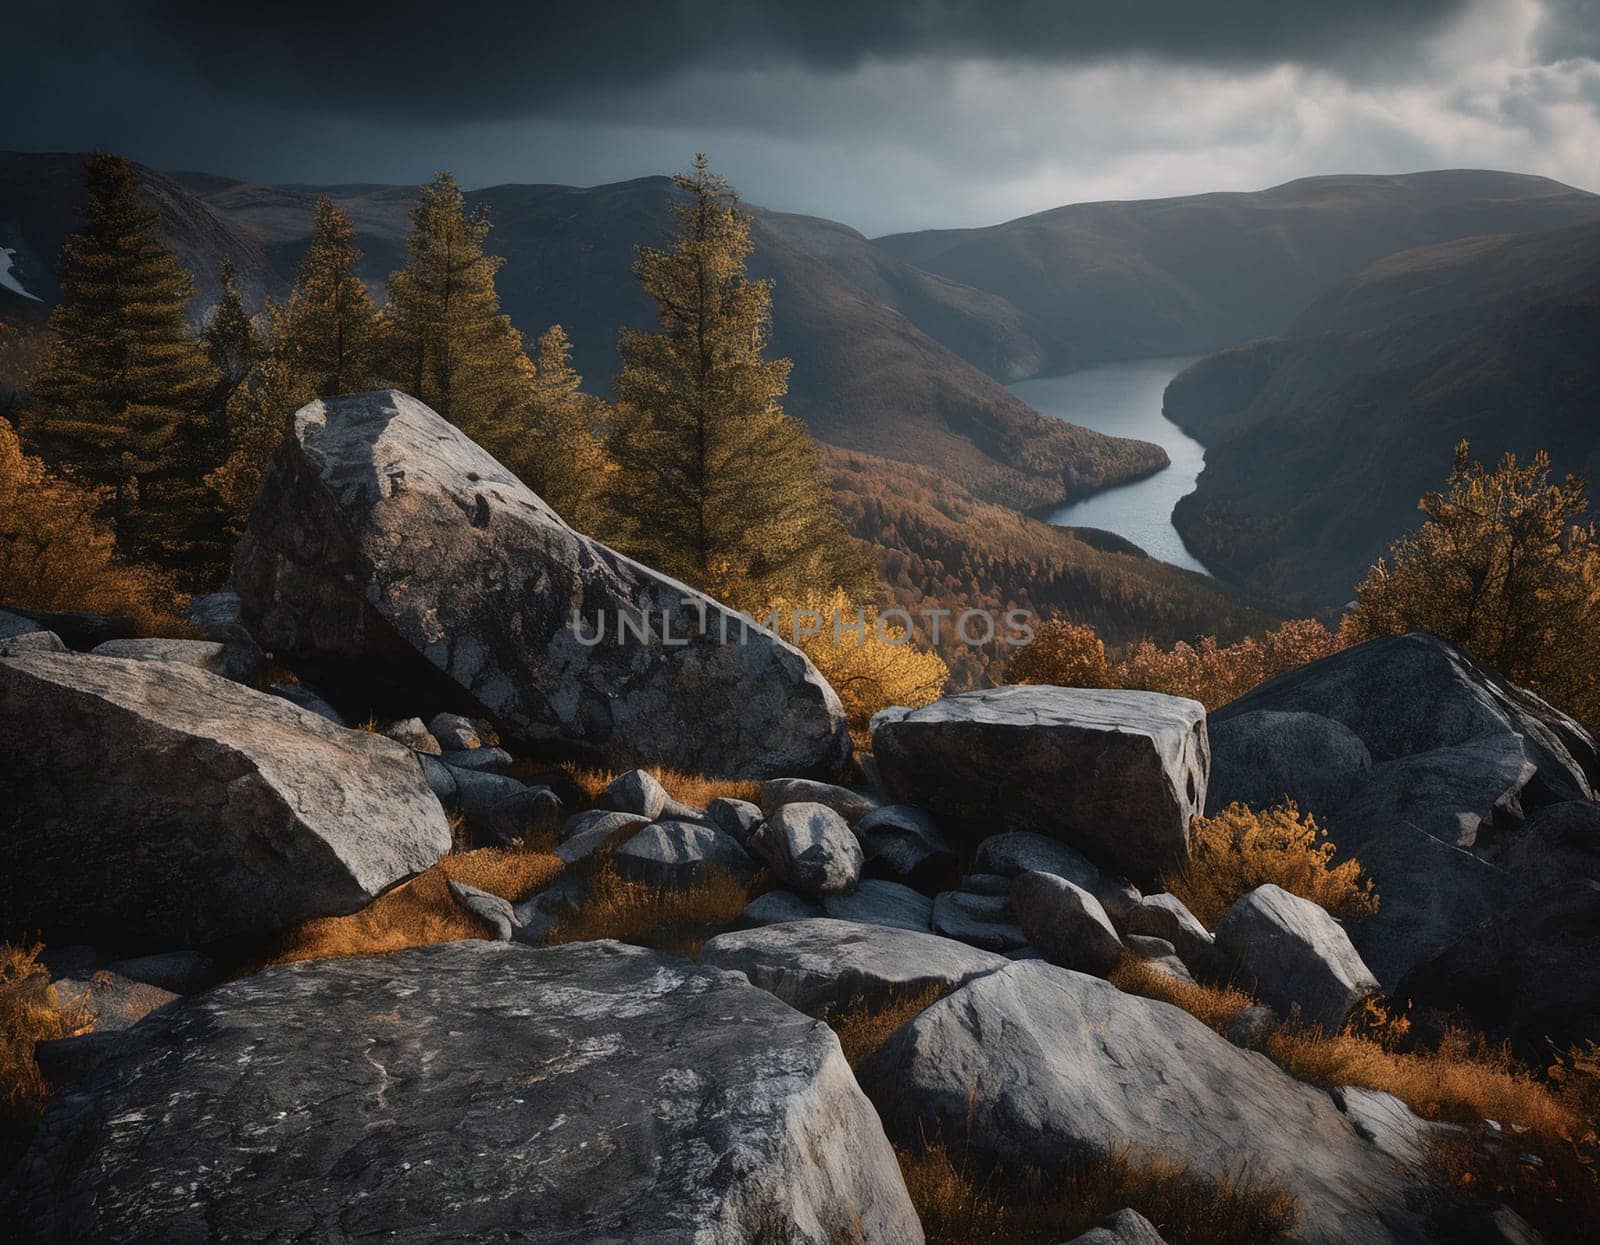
1062, 654
29, 1012
1212, 1005
670, 918
694, 789
865, 1026
1240, 849
1504, 567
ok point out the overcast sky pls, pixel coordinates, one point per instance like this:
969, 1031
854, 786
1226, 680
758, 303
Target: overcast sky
888, 116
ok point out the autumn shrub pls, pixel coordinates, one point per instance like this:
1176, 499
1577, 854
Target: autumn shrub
865, 1025
30, 1012
962, 1201
1062, 654
670, 918
1212, 1005
696, 789
1242, 848
56, 554
1506, 566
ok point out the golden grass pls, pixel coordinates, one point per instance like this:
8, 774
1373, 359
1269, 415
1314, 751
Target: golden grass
29, 1012
694, 789
419, 911
864, 1026
1242, 848
963, 1203
1214, 1006
676, 919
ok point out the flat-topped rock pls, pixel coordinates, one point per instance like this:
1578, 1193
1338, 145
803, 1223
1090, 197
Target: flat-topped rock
576, 1094
1116, 774
386, 546
154, 803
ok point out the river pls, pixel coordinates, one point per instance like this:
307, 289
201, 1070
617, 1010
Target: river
1125, 399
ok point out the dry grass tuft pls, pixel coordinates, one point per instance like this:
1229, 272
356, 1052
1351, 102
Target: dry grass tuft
864, 1026
676, 919
419, 911
1242, 848
694, 789
1213, 1006
963, 1203
29, 1012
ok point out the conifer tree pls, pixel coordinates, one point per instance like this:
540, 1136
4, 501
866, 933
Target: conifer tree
561, 456
230, 336
123, 392
714, 483
449, 344
331, 332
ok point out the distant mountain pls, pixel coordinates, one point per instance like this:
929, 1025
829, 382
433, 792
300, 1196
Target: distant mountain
1319, 446
1119, 280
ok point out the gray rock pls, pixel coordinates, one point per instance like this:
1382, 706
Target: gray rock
1026, 852
1559, 843
1166, 916
1160, 955
414, 735
823, 965
1296, 956
851, 805
1452, 793
376, 511
479, 760
441, 780
227, 660
217, 614
586, 833
300, 694
1414, 693
676, 853
492, 910
1264, 757
454, 732
525, 815
1429, 895
16, 624
31, 642
182, 972
1118, 897
478, 794
540, 912
265, 815
115, 1002
1389, 1124
904, 844
574, 1094
776, 908
636, 791
986, 921
1116, 774
1036, 1066
1066, 923
81, 632
738, 819
880, 902
1248, 1028
1126, 1227
986, 884
810, 849
682, 810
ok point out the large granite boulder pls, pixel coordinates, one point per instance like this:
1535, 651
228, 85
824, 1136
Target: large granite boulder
1066, 923
1118, 775
1263, 757
810, 849
152, 802
676, 853
1037, 1065
822, 965
385, 543
1558, 844
485, 1091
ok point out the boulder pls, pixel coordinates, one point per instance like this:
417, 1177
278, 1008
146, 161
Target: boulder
823, 965
1294, 957
1429, 895
981, 920
1118, 775
478, 794
541, 911
738, 818
1167, 917
264, 815
675, 853
637, 791
229, 660
182, 972
1126, 1227
526, 815
576, 1094
810, 849
1390, 1125
1558, 844
31, 642
1066, 923
1160, 955
851, 805
492, 910
115, 1002
904, 844
1022, 851
81, 632
454, 732
586, 833
217, 615
413, 734
482, 760
776, 908
1413, 693
387, 546
1038, 1066
1263, 757
880, 902
441, 780
300, 694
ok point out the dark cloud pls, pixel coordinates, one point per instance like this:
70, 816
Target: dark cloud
1569, 28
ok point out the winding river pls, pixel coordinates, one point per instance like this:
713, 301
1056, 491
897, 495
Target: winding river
1125, 399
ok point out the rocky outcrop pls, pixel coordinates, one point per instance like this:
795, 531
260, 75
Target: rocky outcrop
584, 1093
1036, 1065
384, 543
1118, 775
822, 965
152, 802
1259, 758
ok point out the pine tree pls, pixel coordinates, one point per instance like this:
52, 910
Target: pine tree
560, 456
230, 336
331, 331
123, 392
449, 344
715, 484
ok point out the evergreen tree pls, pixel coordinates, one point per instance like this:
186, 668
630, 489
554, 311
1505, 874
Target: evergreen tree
331, 332
123, 392
449, 344
560, 456
715, 484
230, 336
